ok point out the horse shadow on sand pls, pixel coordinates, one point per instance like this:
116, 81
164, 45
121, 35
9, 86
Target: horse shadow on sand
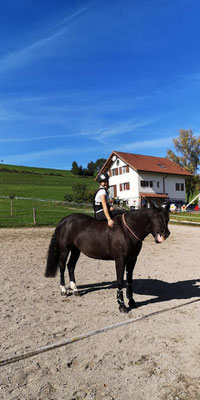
159, 290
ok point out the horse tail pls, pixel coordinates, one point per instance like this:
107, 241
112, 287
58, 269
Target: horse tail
52, 258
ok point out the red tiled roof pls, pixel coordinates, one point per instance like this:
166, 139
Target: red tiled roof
148, 163
155, 195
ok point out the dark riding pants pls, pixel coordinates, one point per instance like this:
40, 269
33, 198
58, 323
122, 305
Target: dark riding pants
101, 216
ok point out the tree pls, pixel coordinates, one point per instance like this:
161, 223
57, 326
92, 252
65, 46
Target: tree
91, 168
188, 148
76, 170
99, 164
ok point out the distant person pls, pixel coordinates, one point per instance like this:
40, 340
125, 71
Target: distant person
102, 208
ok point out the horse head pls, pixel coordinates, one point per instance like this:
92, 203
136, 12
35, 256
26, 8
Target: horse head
159, 223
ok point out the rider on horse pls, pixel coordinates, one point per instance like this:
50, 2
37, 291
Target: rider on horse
102, 208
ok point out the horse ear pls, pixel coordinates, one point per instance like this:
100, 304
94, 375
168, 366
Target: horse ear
166, 205
154, 205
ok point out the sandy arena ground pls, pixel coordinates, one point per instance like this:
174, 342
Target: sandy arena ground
156, 358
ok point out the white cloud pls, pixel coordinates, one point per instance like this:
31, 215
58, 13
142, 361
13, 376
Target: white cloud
146, 144
35, 139
20, 57
44, 154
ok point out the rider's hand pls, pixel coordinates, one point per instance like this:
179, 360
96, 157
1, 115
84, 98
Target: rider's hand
110, 223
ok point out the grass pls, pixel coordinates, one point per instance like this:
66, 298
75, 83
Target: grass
38, 183
193, 217
47, 213
43, 183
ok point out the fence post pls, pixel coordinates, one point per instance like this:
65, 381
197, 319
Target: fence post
34, 216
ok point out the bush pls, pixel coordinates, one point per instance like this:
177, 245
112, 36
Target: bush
68, 197
81, 194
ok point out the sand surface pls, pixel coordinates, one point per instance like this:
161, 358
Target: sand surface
154, 358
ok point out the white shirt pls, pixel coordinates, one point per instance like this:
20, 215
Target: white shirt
100, 193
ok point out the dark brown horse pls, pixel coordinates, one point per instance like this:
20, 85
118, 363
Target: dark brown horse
122, 243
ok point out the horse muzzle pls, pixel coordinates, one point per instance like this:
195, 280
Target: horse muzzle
160, 237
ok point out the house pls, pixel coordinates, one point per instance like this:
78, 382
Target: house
138, 180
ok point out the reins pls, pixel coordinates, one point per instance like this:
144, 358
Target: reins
130, 230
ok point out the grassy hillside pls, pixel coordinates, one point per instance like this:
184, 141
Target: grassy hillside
39, 182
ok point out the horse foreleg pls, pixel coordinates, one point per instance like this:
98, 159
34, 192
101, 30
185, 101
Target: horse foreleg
75, 253
120, 267
62, 265
129, 288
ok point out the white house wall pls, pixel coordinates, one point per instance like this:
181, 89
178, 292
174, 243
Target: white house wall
170, 188
131, 195
167, 184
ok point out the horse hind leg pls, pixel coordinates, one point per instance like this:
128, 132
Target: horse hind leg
62, 265
120, 267
129, 288
75, 253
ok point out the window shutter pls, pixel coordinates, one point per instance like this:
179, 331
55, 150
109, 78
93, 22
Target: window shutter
120, 170
110, 172
127, 168
120, 187
116, 171
128, 185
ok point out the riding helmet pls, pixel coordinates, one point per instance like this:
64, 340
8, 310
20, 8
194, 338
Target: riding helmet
104, 177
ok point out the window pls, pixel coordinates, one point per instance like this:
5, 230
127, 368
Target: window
158, 184
179, 186
114, 171
124, 169
161, 165
144, 183
124, 186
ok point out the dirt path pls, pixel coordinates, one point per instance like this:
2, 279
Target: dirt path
156, 358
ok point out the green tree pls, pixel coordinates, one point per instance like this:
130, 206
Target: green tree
75, 168
99, 164
188, 148
91, 168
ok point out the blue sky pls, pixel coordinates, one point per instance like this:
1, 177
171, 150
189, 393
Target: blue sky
80, 78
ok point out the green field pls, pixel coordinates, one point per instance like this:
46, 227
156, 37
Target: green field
185, 217
34, 184
39, 184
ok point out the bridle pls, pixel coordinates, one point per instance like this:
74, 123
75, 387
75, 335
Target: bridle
130, 230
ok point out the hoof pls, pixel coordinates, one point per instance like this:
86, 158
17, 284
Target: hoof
77, 293
132, 304
65, 294
123, 308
